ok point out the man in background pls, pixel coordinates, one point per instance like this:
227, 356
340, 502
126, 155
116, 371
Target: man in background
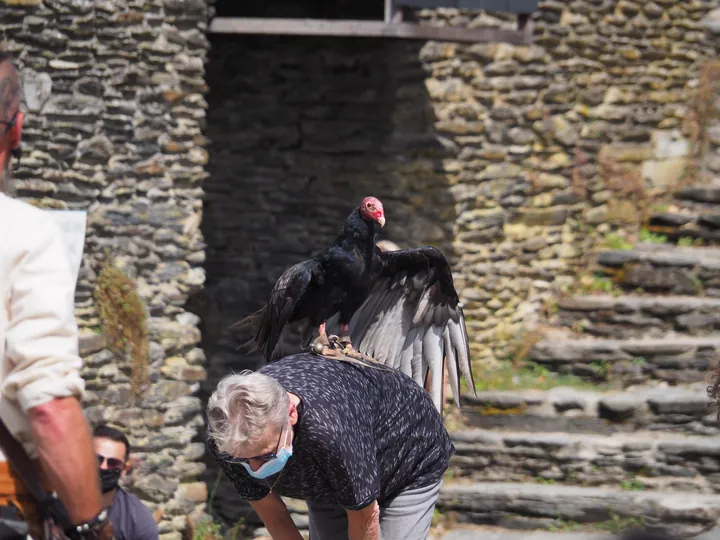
40, 383
130, 518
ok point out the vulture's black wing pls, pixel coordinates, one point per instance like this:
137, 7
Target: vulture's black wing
289, 291
413, 321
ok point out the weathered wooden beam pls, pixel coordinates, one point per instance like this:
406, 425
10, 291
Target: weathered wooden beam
328, 27
507, 6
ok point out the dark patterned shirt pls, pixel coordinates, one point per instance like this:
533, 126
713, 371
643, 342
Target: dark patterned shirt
362, 434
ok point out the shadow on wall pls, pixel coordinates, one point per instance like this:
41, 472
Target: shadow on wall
302, 129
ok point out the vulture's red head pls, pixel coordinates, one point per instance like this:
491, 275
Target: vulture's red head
371, 209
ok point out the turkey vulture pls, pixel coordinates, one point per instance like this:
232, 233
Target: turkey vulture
398, 307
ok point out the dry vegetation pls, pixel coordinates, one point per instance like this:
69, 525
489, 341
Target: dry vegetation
702, 111
124, 323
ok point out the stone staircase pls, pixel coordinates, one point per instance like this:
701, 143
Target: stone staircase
696, 218
643, 447
637, 444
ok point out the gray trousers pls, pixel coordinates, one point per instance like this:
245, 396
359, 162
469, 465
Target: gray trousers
406, 517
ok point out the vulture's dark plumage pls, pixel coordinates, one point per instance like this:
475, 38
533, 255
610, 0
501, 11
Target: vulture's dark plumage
399, 307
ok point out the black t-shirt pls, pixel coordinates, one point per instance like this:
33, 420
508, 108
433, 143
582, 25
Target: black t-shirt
363, 434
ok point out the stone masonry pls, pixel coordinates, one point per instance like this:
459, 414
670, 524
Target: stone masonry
532, 126
492, 152
115, 111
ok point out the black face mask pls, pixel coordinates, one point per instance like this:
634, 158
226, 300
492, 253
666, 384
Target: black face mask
109, 479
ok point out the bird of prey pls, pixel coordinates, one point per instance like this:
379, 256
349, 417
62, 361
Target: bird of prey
398, 307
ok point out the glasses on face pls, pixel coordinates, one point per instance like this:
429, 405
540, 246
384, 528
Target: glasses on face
112, 463
265, 457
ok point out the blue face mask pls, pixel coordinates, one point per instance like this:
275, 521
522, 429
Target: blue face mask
273, 466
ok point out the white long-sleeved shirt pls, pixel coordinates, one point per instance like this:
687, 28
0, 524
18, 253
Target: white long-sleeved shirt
39, 358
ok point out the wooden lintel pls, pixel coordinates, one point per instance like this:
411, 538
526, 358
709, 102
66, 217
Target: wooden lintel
327, 27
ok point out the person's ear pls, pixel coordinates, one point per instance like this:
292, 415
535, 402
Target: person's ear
293, 414
129, 464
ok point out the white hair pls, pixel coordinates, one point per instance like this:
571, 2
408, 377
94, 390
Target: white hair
243, 408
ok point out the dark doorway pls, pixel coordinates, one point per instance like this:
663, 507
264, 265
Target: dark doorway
302, 129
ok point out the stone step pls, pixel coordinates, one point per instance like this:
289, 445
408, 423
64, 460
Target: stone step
537, 506
664, 268
701, 193
623, 317
677, 225
680, 409
630, 461
484, 533
633, 361
479, 532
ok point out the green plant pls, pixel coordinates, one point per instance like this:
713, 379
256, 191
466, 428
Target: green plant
551, 306
505, 376
697, 284
639, 361
602, 368
124, 325
562, 525
632, 485
578, 327
237, 529
616, 241
647, 236
207, 530
687, 241
546, 481
618, 523
589, 283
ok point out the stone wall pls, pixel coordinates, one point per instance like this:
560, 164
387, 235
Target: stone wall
507, 158
543, 134
531, 149
115, 114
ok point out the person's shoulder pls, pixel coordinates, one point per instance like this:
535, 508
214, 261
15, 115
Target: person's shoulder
137, 506
34, 223
17, 208
294, 362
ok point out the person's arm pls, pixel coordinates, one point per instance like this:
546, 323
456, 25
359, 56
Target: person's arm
276, 517
267, 504
364, 524
64, 447
44, 379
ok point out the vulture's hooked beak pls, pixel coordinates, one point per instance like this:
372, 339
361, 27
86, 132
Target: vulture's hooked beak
381, 221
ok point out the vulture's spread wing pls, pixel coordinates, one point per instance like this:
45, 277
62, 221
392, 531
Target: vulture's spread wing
413, 321
287, 293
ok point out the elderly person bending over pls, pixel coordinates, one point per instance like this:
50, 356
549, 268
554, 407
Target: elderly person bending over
364, 446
